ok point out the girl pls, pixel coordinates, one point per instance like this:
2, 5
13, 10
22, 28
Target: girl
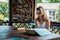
42, 21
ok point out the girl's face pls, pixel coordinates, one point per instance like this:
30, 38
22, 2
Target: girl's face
40, 13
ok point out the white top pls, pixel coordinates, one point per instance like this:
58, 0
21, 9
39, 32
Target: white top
43, 25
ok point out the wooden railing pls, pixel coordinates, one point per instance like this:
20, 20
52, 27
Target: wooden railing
55, 27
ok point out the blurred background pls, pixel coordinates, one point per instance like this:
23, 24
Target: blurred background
4, 11
52, 10
51, 7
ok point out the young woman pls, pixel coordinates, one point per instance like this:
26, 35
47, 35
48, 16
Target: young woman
42, 21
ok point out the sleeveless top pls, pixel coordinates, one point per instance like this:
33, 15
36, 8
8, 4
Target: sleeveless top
43, 25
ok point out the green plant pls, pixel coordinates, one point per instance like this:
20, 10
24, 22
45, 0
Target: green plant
58, 15
50, 1
39, 1
4, 8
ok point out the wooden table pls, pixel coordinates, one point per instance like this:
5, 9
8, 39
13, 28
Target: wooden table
20, 34
52, 37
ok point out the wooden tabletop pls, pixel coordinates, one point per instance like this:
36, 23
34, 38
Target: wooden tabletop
52, 37
21, 34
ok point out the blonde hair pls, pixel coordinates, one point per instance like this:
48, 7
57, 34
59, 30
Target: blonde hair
44, 16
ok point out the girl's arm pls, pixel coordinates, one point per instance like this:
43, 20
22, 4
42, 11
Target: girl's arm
48, 24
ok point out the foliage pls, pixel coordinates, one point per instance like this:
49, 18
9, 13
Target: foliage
54, 1
4, 8
51, 1
1, 17
58, 14
39, 1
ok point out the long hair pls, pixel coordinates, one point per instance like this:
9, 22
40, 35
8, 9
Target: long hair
44, 16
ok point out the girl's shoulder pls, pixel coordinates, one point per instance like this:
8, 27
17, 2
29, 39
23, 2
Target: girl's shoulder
46, 20
36, 19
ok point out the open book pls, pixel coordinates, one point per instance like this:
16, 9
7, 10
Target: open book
39, 31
